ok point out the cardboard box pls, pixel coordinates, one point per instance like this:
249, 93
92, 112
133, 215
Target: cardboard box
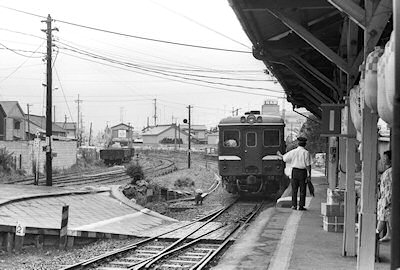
334, 196
333, 219
333, 227
332, 210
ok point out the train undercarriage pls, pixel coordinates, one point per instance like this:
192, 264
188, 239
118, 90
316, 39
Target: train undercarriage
270, 185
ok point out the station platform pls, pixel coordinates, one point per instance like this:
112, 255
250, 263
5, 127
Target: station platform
93, 212
281, 238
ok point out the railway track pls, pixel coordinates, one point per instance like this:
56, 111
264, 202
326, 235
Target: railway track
103, 177
186, 252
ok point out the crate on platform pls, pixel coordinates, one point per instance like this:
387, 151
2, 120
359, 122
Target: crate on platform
334, 196
332, 226
333, 219
332, 210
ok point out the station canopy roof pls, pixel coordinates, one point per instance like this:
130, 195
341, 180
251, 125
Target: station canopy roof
303, 43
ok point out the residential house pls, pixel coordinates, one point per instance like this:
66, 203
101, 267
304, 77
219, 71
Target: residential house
121, 133
166, 133
14, 124
2, 123
212, 138
69, 127
198, 132
37, 125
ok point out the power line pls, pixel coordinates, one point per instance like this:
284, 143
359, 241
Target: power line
26, 60
62, 90
20, 54
163, 67
158, 68
170, 79
200, 24
128, 35
164, 73
21, 33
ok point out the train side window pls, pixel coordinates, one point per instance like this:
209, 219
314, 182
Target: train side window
271, 137
231, 138
251, 139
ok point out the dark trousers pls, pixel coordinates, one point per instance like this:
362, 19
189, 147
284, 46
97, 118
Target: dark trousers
299, 180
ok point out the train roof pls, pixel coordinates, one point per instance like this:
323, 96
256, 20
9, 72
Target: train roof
267, 119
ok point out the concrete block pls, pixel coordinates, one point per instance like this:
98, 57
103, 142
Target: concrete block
284, 202
332, 210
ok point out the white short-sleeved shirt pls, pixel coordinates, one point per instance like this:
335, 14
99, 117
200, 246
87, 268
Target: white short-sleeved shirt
298, 158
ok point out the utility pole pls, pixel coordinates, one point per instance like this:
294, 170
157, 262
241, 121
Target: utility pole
48, 31
90, 133
189, 143
78, 137
155, 112
54, 113
29, 122
235, 111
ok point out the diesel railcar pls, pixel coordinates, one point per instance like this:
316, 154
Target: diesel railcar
112, 156
247, 159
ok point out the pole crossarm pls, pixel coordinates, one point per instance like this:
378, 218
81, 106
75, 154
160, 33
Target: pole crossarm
312, 40
353, 10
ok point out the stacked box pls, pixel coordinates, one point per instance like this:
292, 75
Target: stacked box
334, 196
333, 211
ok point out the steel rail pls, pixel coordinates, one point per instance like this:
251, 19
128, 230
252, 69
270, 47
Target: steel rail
167, 250
228, 239
125, 249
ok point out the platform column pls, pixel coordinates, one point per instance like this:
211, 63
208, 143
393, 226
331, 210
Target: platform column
332, 162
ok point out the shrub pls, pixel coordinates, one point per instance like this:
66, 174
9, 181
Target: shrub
6, 160
184, 182
135, 171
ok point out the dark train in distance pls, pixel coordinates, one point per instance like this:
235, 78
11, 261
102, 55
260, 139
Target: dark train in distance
247, 159
116, 156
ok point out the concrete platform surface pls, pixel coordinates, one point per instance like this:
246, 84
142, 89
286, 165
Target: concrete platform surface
281, 238
102, 210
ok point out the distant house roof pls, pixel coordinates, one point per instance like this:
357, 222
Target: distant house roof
8, 107
40, 121
157, 130
2, 111
67, 125
194, 127
122, 125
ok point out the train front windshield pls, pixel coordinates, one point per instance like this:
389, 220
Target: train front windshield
231, 138
271, 137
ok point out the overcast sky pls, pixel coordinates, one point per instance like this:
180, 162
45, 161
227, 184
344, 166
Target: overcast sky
119, 76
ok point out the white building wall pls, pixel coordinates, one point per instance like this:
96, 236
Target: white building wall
24, 153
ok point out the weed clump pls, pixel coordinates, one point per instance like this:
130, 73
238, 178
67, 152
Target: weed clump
135, 171
184, 182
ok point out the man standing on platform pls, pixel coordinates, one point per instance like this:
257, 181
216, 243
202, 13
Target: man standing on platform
300, 160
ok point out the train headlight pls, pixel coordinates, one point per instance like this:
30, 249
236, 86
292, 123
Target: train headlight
259, 119
251, 119
242, 119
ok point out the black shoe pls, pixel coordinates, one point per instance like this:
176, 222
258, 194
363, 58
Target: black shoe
294, 207
302, 208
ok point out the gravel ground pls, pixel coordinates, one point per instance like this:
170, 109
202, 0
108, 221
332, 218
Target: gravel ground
32, 258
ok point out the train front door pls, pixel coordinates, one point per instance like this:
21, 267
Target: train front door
251, 145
